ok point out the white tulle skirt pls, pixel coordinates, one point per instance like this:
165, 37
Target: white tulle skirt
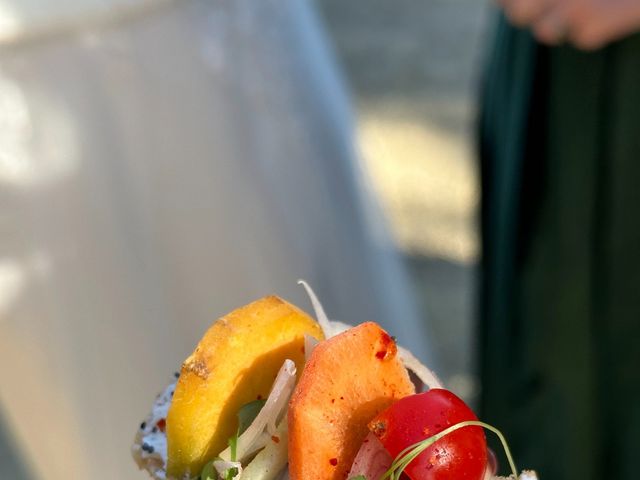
161, 163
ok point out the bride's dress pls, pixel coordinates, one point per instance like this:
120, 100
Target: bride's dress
162, 162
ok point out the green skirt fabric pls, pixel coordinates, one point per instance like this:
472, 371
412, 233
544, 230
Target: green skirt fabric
560, 284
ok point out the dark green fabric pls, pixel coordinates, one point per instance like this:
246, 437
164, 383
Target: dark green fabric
560, 319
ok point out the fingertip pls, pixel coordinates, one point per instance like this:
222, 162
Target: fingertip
521, 13
547, 34
587, 41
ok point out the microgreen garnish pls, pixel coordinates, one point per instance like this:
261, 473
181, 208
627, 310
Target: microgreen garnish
231, 473
248, 413
233, 444
209, 472
218, 468
359, 477
406, 456
246, 416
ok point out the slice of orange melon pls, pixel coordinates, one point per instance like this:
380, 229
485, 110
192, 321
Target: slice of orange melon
347, 381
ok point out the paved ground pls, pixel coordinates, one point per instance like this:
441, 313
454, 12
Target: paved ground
413, 66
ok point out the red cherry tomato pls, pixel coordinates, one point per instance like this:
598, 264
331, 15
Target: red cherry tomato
460, 455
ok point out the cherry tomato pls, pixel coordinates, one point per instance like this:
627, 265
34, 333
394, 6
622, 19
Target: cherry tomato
460, 455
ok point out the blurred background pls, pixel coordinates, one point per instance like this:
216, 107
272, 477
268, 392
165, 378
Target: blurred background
413, 69
410, 69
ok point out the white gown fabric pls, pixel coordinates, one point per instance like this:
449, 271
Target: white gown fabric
162, 163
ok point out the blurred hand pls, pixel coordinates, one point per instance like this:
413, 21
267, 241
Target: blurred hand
588, 24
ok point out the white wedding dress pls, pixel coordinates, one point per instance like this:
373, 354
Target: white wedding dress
161, 163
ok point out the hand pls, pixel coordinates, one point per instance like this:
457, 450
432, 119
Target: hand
588, 24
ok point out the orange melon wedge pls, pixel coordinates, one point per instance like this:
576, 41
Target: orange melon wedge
347, 381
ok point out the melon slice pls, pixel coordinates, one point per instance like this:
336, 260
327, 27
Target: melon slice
347, 381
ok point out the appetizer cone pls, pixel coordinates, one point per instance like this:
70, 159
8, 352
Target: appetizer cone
269, 394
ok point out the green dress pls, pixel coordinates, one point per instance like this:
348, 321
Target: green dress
560, 285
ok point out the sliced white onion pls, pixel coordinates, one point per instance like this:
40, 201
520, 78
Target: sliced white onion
372, 460
528, 475
336, 328
423, 373
274, 409
310, 344
222, 467
525, 475
330, 328
488, 474
270, 462
321, 317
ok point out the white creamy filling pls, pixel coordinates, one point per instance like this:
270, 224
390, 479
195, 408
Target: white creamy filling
154, 437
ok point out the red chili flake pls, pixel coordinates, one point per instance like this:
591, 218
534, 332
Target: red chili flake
259, 397
161, 424
333, 461
333, 400
275, 439
387, 347
302, 350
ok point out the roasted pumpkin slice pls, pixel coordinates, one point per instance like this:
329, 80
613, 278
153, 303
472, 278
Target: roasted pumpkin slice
235, 362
